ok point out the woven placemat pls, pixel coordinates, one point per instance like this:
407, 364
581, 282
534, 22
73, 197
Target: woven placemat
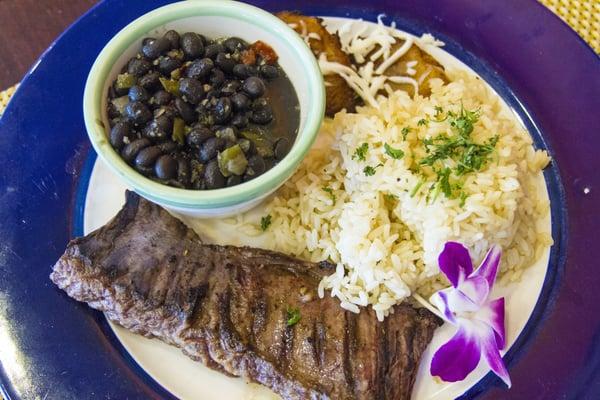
581, 15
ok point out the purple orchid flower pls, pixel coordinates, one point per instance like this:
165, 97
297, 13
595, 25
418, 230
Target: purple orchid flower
480, 321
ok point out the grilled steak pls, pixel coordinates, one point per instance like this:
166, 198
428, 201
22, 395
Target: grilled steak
229, 307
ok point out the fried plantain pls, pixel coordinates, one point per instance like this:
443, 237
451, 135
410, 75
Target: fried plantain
426, 68
339, 94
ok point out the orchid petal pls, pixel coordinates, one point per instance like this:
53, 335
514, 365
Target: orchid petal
455, 262
454, 360
491, 354
475, 288
455, 300
492, 314
440, 301
489, 267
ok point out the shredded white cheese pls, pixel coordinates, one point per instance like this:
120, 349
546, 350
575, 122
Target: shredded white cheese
369, 44
306, 36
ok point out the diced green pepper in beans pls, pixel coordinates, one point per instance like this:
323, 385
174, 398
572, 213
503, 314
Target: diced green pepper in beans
232, 161
125, 81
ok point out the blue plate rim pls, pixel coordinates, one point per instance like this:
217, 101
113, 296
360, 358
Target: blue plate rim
563, 230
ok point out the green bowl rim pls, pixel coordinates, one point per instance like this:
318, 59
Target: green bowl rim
202, 199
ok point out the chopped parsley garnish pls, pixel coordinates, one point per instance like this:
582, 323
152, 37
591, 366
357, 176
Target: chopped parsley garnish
396, 154
405, 132
464, 122
422, 122
329, 191
444, 181
438, 114
265, 222
370, 171
361, 152
293, 316
463, 198
416, 188
454, 155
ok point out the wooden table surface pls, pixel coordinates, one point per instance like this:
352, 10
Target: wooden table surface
27, 27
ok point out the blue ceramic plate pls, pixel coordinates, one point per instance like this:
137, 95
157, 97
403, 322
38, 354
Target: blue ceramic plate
54, 348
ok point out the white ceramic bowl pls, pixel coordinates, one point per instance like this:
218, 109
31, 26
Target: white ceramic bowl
213, 19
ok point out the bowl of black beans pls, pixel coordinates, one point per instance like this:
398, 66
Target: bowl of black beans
204, 107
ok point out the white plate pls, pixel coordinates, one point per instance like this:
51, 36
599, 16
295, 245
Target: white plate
191, 380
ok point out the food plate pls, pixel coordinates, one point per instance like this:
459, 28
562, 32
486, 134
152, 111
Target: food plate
45, 338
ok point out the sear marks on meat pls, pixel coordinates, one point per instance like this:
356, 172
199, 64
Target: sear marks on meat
228, 307
339, 95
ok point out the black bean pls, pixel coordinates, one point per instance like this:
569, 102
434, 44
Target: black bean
282, 147
213, 49
147, 40
198, 135
256, 166
191, 89
161, 98
156, 47
222, 111
150, 81
212, 93
200, 68
186, 111
192, 45
147, 156
138, 66
118, 92
138, 93
242, 70
205, 117
159, 128
230, 87
138, 112
112, 111
167, 64
234, 44
173, 38
259, 103
262, 115
168, 111
227, 133
225, 62
240, 101
210, 148
167, 147
269, 71
247, 146
212, 176
239, 121
254, 87
146, 171
217, 77
132, 149
183, 171
118, 133
165, 167
234, 180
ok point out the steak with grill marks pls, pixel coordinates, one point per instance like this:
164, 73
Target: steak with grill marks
228, 307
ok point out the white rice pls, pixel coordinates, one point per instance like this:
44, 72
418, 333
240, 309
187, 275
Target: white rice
385, 250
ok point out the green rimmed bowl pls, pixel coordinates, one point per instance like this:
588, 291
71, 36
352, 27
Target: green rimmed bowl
213, 19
